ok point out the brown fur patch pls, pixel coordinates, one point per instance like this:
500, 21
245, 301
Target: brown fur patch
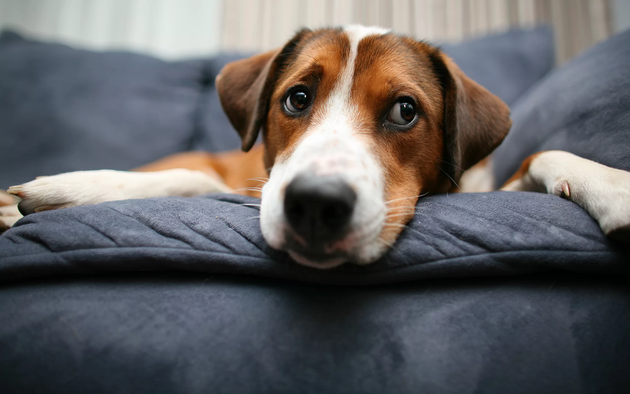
524, 169
243, 172
410, 159
317, 65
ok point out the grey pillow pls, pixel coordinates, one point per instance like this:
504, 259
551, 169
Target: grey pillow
63, 109
583, 108
506, 64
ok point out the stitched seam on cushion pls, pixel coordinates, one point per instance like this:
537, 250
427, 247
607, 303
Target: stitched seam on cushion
205, 236
496, 220
143, 222
241, 234
99, 232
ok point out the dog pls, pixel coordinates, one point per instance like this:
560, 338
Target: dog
357, 124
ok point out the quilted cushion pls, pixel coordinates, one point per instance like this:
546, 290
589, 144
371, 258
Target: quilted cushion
496, 233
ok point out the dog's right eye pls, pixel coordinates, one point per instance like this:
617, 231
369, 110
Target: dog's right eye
298, 100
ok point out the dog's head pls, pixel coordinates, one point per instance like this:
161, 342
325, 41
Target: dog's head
357, 124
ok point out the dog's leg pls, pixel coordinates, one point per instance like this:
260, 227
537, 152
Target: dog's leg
602, 191
92, 187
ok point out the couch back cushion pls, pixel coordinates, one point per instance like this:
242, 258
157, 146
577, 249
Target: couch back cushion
63, 109
582, 107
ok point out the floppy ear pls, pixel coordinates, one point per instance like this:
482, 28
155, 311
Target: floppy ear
245, 86
475, 120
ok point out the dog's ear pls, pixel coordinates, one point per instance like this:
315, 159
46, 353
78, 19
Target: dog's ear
475, 120
245, 86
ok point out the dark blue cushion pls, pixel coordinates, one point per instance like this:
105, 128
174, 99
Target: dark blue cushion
215, 133
224, 334
496, 233
582, 107
506, 64
63, 109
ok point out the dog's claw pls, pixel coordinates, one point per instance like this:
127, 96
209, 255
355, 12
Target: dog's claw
15, 190
566, 190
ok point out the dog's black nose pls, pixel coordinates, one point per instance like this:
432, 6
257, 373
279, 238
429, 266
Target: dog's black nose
319, 208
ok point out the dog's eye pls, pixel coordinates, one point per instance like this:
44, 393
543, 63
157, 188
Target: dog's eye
298, 100
402, 113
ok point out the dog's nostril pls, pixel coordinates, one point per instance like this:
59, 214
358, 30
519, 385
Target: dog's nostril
336, 215
319, 208
295, 210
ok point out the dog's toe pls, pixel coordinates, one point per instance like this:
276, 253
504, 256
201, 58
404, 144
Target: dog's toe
15, 190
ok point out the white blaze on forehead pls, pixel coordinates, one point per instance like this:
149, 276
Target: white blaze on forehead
355, 34
332, 144
340, 98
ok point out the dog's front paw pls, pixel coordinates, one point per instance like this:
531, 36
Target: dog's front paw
604, 192
60, 191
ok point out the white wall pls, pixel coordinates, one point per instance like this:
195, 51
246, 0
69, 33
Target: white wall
167, 28
190, 28
621, 15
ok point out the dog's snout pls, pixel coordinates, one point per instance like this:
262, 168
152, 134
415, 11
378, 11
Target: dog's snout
319, 208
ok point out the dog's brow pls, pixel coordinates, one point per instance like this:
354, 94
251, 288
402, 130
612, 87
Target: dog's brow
306, 73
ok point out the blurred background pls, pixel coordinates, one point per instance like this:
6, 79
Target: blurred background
176, 29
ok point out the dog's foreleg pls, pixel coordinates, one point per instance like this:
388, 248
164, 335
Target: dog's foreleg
92, 187
602, 191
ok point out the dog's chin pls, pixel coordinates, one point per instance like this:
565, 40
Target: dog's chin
317, 261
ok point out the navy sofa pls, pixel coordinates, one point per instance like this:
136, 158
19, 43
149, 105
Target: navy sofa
483, 293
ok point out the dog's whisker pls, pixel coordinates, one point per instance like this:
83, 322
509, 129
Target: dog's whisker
251, 189
395, 225
262, 180
398, 209
251, 205
405, 198
388, 244
398, 215
451, 164
451, 178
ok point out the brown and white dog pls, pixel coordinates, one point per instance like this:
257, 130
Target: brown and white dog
357, 124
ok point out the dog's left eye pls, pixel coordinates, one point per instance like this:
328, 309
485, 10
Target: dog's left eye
298, 100
402, 113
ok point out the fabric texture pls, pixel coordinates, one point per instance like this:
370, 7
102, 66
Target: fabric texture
450, 236
506, 64
582, 108
199, 334
63, 109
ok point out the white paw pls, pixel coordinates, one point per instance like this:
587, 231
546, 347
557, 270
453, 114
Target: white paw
93, 187
602, 191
